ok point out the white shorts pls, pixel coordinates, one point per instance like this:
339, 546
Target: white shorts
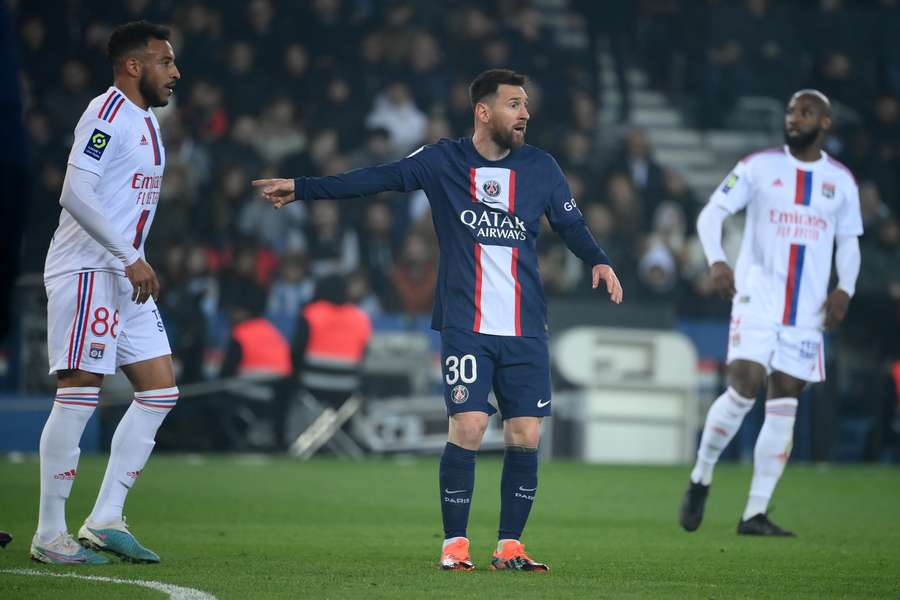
757, 337
93, 325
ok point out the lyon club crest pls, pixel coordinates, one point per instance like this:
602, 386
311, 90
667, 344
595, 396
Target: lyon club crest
491, 188
828, 190
459, 394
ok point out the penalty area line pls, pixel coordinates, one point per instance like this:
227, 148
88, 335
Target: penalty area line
175, 592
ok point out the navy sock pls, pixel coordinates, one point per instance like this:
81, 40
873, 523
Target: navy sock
518, 486
457, 479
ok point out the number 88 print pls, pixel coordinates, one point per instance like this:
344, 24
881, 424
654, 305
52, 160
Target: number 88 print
101, 325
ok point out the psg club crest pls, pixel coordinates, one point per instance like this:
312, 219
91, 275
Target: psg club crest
491, 188
459, 394
828, 190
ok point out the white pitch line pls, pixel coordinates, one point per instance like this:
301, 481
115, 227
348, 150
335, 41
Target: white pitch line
175, 592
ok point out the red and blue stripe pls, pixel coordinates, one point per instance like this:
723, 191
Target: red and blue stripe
69, 397
156, 156
802, 196
111, 106
792, 288
803, 189
784, 408
84, 296
164, 400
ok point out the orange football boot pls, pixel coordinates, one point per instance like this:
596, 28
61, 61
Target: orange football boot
510, 554
455, 556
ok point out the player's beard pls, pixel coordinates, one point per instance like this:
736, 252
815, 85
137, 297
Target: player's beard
506, 139
803, 140
150, 94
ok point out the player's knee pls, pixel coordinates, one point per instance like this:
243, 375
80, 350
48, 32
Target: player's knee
524, 432
77, 378
467, 429
746, 377
783, 385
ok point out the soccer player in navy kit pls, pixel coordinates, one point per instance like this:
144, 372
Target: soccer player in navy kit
487, 195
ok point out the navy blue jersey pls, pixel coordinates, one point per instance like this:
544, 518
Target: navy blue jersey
487, 218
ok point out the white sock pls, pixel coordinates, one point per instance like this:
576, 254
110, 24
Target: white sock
773, 447
449, 541
131, 446
722, 421
59, 453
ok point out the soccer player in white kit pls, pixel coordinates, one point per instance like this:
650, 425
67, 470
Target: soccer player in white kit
800, 204
101, 310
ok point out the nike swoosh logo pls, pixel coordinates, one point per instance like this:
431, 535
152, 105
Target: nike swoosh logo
543, 403
521, 489
446, 491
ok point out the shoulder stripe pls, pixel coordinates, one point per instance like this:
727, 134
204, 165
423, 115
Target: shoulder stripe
105, 104
116, 109
772, 150
109, 107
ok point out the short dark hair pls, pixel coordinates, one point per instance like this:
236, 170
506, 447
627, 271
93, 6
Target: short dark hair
487, 83
132, 36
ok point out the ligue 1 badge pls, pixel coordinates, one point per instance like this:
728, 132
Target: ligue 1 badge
730, 182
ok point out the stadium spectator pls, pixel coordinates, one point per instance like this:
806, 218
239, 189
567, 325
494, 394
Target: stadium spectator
395, 110
291, 289
377, 149
64, 103
256, 348
378, 247
278, 134
184, 318
330, 343
245, 79
414, 276
626, 205
636, 161
429, 78
657, 274
332, 247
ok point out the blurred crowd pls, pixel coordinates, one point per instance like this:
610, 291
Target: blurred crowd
315, 88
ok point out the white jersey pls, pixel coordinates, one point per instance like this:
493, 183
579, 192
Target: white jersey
794, 211
118, 141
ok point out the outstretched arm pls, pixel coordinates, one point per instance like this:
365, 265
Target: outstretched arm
404, 175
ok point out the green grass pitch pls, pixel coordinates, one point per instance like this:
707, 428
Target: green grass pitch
253, 527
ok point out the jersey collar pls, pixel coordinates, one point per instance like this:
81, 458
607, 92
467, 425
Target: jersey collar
470, 145
806, 166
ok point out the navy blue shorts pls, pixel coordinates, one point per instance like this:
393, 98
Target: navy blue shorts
517, 368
